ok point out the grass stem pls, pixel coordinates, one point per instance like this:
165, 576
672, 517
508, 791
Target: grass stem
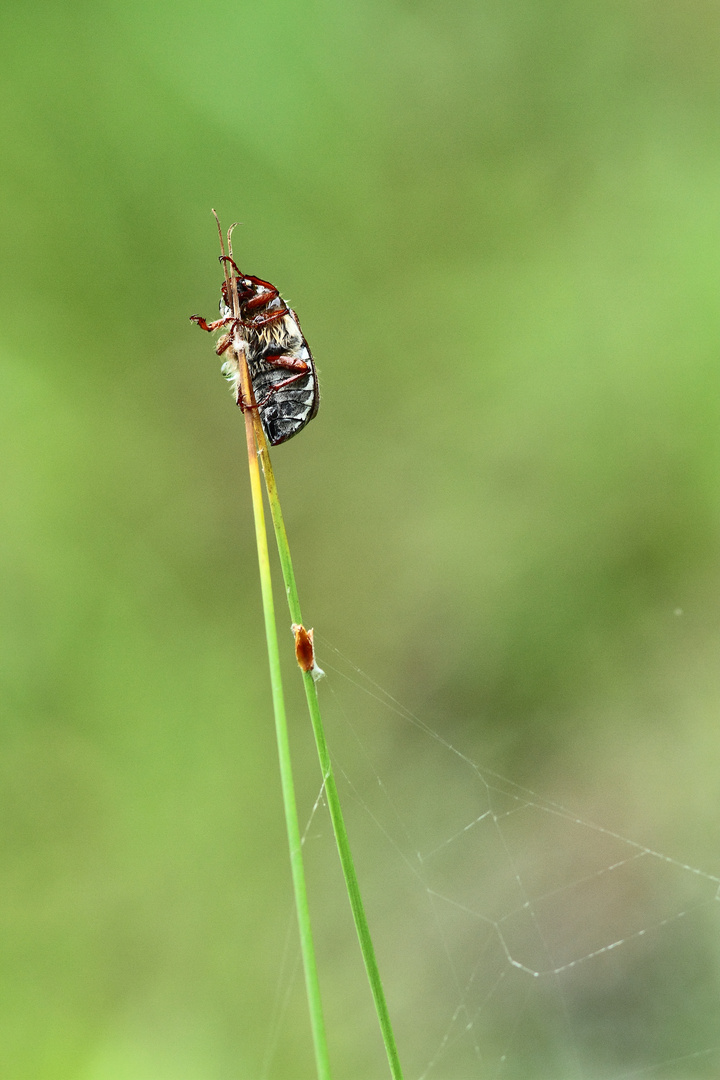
288, 790
341, 837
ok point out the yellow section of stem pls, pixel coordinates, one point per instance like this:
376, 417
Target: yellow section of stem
312, 983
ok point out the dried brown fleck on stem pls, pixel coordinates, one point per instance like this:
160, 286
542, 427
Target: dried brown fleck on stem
304, 649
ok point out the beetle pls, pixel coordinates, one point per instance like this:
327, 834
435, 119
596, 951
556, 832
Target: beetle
258, 322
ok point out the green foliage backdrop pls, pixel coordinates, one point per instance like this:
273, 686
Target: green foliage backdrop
500, 225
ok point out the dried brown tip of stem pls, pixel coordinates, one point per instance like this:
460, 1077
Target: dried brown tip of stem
219, 228
304, 649
229, 234
233, 280
222, 249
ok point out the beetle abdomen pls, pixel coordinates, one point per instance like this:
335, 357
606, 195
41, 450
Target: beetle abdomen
288, 409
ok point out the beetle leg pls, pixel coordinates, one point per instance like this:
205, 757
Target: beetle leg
261, 299
287, 363
213, 326
242, 403
264, 320
229, 258
279, 386
223, 344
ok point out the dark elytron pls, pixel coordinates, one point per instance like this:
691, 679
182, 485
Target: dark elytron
258, 322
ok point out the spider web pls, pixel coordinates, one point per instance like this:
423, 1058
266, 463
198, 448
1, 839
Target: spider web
516, 938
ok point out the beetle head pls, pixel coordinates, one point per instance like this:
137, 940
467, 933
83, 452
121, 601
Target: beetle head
245, 289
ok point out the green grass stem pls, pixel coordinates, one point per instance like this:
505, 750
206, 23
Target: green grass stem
288, 789
341, 837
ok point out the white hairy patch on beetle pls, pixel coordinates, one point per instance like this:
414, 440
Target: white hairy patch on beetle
239, 342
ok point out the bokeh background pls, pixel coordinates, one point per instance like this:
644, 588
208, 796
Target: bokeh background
500, 226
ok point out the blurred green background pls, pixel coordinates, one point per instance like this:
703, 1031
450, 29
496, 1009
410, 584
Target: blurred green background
500, 226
